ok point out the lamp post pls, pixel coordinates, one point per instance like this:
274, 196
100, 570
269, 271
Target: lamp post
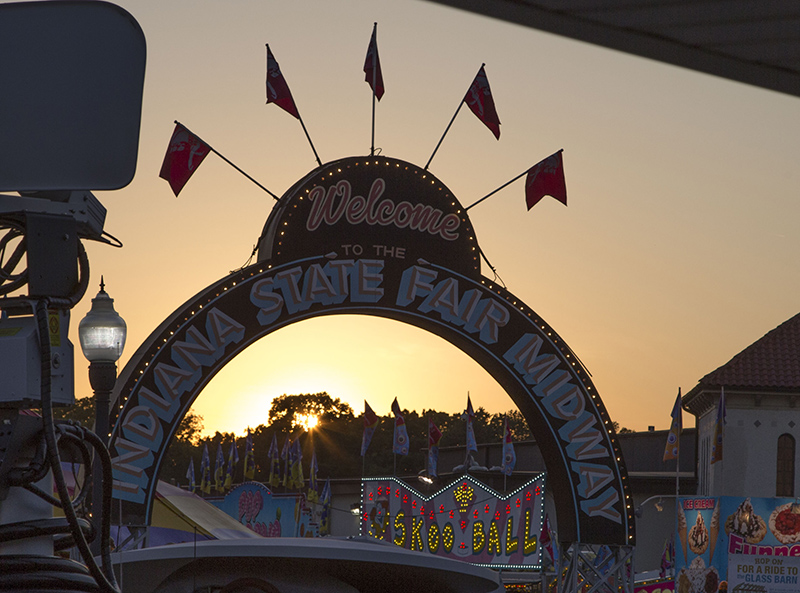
102, 335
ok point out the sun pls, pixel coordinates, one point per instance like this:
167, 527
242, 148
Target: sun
306, 421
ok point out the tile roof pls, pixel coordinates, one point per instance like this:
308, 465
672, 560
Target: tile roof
772, 362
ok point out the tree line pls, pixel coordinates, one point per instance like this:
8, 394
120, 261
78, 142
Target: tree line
336, 438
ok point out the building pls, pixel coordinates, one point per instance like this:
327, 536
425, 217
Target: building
762, 391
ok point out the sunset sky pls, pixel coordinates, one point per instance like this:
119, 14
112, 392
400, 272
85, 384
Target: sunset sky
678, 248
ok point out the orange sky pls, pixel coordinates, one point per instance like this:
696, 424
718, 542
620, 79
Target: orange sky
678, 248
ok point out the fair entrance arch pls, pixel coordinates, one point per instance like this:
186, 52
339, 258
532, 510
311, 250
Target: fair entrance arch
377, 236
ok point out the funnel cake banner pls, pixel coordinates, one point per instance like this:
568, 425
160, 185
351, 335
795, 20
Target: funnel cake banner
713, 534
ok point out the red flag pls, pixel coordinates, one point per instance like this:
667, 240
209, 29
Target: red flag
479, 99
372, 65
434, 434
546, 178
184, 154
277, 90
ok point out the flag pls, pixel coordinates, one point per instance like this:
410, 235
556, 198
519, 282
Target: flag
674, 436
184, 154
277, 90
371, 421
719, 429
604, 559
546, 178
274, 463
434, 436
205, 471
469, 416
219, 470
313, 495
325, 515
668, 556
233, 459
479, 99
546, 539
509, 456
249, 457
296, 455
286, 455
190, 475
400, 441
372, 65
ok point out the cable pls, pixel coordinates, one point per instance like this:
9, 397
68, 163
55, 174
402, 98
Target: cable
9, 281
44, 573
104, 578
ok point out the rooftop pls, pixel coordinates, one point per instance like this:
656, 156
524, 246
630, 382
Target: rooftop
770, 364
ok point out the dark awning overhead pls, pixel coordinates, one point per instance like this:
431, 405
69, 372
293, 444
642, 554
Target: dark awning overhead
756, 43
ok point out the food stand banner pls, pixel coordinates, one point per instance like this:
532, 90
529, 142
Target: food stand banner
729, 538
701, 558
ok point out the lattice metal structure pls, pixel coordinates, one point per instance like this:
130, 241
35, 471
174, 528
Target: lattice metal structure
580, 568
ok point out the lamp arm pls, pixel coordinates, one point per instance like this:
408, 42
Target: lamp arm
638, 511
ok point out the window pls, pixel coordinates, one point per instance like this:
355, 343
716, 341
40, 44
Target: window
784, 474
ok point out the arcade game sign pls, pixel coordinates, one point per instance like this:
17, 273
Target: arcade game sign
466, 520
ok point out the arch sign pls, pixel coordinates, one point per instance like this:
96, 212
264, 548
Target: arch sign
377, 236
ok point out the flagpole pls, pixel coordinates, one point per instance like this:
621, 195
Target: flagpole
506, 184
316, 156
374, 85
428, 450
722, 436
678, 457
447, 129
678, 472
220, 155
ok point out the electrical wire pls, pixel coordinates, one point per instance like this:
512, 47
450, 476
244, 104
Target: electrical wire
10, 281
103, 578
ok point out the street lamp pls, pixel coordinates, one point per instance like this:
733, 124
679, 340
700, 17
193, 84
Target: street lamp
102, 335
659, 498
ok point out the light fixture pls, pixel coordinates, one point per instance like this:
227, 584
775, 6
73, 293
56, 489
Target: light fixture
658, 504
102, 331
102, 335
355, 509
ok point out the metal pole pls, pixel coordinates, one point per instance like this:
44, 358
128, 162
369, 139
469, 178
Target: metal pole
316, 156
102, 377
507, 183
374, 84
447, 129
220, 155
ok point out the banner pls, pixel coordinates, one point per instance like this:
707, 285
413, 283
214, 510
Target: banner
770, 574
736, 539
